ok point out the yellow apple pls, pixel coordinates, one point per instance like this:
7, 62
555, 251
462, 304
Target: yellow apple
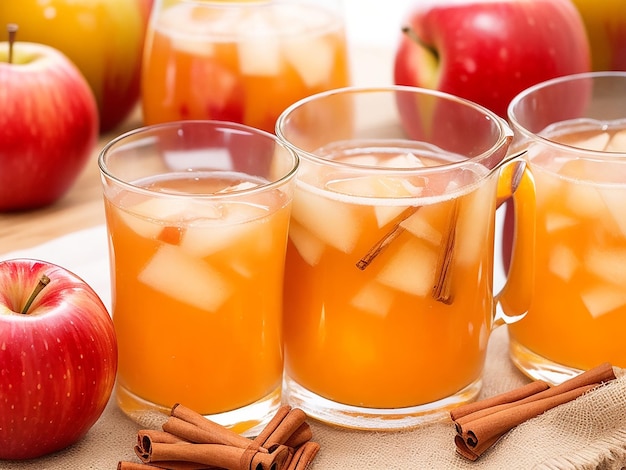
104, 39
605, 22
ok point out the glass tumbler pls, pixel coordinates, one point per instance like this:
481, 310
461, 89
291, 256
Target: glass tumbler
197, 215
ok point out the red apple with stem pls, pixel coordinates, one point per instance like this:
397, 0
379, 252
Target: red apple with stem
490, 51
48, 124
58, 358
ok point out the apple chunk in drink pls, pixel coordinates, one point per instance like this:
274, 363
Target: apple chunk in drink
579, 311
383, 339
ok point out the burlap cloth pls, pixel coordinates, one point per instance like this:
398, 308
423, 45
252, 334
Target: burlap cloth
589, 433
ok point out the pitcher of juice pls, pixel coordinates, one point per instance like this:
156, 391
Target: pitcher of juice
388, 299
243, 60
574, 130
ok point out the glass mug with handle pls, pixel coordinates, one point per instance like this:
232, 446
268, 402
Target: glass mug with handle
388, 299
574, 131
242, 60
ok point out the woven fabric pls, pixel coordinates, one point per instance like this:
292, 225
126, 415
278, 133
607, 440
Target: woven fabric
588, 433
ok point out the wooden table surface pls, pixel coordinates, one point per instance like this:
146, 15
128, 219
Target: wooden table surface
80, 208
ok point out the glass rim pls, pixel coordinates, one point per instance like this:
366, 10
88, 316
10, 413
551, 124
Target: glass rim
106, 172
587, 154
506, 132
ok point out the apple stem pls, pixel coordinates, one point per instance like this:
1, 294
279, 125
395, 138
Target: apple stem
12, 29
415, 38
44, 280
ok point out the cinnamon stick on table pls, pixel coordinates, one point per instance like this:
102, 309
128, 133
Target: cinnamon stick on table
189, 441
481, 424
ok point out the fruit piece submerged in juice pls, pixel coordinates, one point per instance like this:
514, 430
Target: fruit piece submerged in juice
197, 289
579, 308
243, 63
377, 337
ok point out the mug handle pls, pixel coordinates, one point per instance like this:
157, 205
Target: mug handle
514, 299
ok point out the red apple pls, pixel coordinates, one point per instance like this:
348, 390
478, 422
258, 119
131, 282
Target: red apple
104, 38
605, 21
48, 125
490, 51
58, 358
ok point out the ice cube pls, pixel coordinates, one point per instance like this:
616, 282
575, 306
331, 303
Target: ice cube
186, 25
617, 142
204, 237
584, 200
615, 200
411, 269
361, 159
259, 51
238, 187
333, 222
608, 265
195, 47
602, 299
474, 223
374, 298
186, 279
308, 245
555, 222
149, 217
419, 225
405, 160
597, 142
312, 56
373, 186
385, 214
563, 262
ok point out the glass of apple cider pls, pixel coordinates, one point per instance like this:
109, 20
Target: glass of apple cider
197, 216
574, 129
240, 60
388, 298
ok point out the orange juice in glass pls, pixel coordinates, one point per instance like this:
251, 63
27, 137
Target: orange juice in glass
388, 289
575, 131
197, 215
241, 61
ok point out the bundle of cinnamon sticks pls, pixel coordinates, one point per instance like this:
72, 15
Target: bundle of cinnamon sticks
481, 424
189, 441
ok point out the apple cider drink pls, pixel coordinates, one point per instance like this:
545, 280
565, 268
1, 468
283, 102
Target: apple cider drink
197, 215
240, 61
578, 315
180, 273
387, 276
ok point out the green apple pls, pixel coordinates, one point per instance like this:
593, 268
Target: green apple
104, 39
605, 22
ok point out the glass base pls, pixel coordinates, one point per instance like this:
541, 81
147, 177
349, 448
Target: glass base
374, 419
538, 367
247, 421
